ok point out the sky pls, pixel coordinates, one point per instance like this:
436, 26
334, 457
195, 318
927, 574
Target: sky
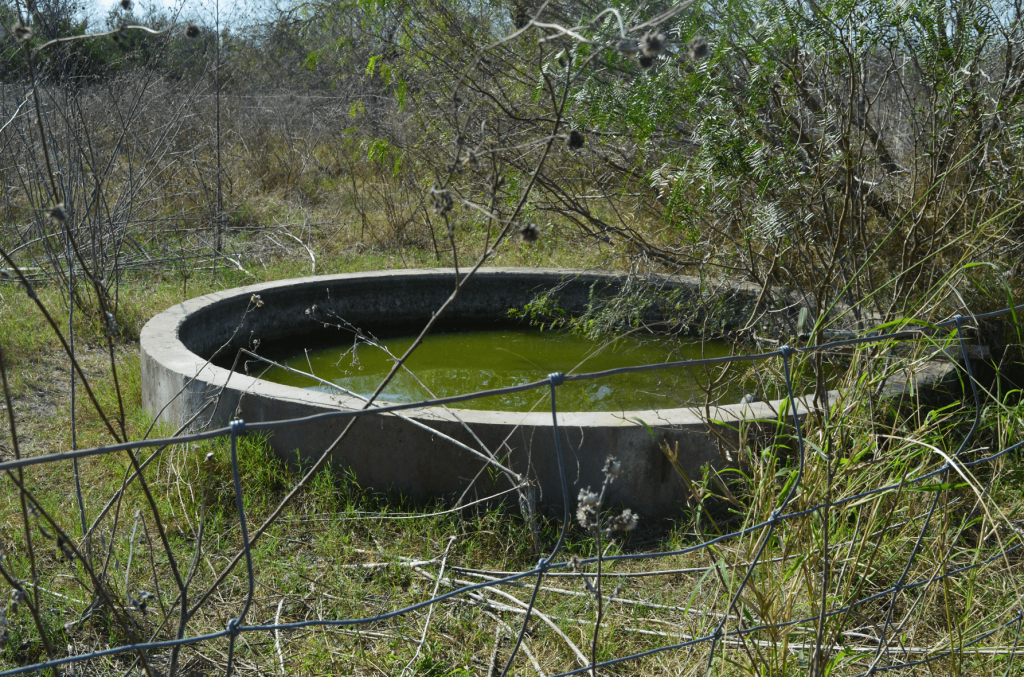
199, 11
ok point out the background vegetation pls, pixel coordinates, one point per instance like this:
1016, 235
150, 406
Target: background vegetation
858, 157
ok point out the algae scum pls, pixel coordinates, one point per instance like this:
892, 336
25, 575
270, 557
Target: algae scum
450, 364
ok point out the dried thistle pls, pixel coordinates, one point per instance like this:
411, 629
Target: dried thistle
653, 44
586, 509
442, 200
627, 47
588, 497
256, 300
645, 61
57, 213
17, 597
21, 33
698, 48
624, 522
529, 232
142, 602
192, 31
575, 139
611, 469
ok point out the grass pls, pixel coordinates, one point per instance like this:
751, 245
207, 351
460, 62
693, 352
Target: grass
341, 551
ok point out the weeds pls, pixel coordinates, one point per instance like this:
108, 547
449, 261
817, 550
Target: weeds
862, 171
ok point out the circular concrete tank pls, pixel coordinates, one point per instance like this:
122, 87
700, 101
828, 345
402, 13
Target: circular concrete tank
433, 451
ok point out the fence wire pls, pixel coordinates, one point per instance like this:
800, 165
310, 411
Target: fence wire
888, 643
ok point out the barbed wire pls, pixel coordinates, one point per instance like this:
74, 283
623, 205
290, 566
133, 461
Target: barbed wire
719, 634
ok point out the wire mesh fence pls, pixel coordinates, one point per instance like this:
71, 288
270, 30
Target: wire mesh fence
888, 653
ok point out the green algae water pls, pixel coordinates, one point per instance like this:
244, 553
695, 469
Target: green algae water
457, 363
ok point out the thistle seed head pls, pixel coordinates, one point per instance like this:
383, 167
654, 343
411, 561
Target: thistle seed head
612, 468
529, 232
627, 47
21, 33
17, 597
442, 200
575, 139
624, 522
698, 48
586, 515
192, 31
144, 597
653, 44
645, 62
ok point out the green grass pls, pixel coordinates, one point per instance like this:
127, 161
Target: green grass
342, 551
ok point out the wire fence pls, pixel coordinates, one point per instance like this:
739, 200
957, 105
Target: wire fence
888, 641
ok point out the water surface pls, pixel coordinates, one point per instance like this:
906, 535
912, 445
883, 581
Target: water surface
456, 363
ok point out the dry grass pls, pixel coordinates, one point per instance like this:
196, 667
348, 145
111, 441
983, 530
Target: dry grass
340, 551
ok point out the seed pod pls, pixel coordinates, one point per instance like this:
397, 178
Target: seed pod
442, 200
624, 522
143, 601
529, 232
17, 597
57, 213
698, 48
612, 468
653, 44
627, 47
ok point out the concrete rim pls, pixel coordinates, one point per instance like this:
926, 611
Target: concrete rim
160, 341
431, 451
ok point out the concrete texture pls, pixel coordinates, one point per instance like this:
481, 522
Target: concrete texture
394, 454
